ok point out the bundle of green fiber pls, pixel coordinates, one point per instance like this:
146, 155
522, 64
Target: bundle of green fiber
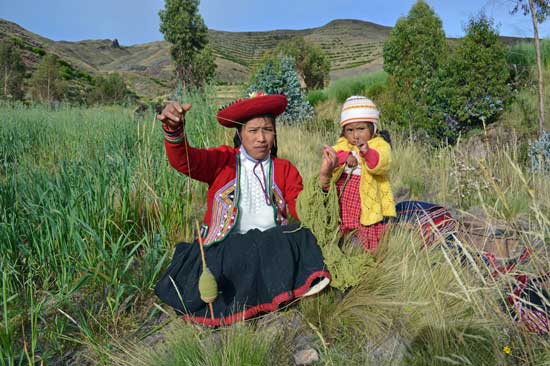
320, 212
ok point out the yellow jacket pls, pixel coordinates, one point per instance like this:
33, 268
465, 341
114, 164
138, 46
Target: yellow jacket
375, 190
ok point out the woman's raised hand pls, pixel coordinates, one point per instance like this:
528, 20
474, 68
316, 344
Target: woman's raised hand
173, 114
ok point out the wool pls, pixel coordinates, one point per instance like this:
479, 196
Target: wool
208, 287
320, 212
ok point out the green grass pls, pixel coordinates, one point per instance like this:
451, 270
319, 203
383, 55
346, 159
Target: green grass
523, 53
522, 115
341, 89
90, 211
314, 97
187, 345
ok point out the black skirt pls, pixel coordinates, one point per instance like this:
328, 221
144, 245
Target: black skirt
256, 272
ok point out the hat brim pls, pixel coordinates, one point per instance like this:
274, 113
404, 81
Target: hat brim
358, 119
243, 110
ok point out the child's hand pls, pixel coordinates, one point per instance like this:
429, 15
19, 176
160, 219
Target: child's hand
351, 161
363, 147
329, 162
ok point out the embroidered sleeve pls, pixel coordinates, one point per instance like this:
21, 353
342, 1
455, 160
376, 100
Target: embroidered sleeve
200, 164
173, 136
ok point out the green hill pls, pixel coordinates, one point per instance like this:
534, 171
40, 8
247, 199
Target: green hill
348, 43
353, 46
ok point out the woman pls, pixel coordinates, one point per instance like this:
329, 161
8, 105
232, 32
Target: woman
258, 261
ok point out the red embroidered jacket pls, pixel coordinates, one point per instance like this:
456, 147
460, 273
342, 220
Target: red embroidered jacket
219, 168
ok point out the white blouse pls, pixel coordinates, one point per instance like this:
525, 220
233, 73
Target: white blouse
254, 211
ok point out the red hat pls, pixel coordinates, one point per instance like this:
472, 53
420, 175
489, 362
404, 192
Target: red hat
242, 110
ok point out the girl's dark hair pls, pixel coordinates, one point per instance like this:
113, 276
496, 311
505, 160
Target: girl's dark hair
385, 134
237, 138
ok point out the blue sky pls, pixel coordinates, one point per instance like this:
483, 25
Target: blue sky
137, 21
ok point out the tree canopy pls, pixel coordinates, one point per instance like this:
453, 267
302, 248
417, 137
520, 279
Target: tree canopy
47, 84
413, 55
312, 63
474, 82
12, 71
184, 28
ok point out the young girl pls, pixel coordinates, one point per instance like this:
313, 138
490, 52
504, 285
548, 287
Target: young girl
360, 163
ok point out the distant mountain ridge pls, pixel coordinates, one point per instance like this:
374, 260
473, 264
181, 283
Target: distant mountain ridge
353, 46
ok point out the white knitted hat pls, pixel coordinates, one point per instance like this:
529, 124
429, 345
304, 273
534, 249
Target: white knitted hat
359, 109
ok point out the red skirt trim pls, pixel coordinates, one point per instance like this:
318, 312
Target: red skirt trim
260, 308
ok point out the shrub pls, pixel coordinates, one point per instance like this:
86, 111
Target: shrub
473, 87
539, 153
110, 89
12, 71
312, 63
314, 97
277, 75
47, 84
413, 54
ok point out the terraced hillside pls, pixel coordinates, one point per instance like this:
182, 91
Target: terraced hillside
353, 46
348, 43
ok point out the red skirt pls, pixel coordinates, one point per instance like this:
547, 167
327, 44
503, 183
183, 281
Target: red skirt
350, 213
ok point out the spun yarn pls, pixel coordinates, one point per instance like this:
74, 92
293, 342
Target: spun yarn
320, 212
208, 287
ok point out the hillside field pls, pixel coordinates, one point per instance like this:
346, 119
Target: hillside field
90, 212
